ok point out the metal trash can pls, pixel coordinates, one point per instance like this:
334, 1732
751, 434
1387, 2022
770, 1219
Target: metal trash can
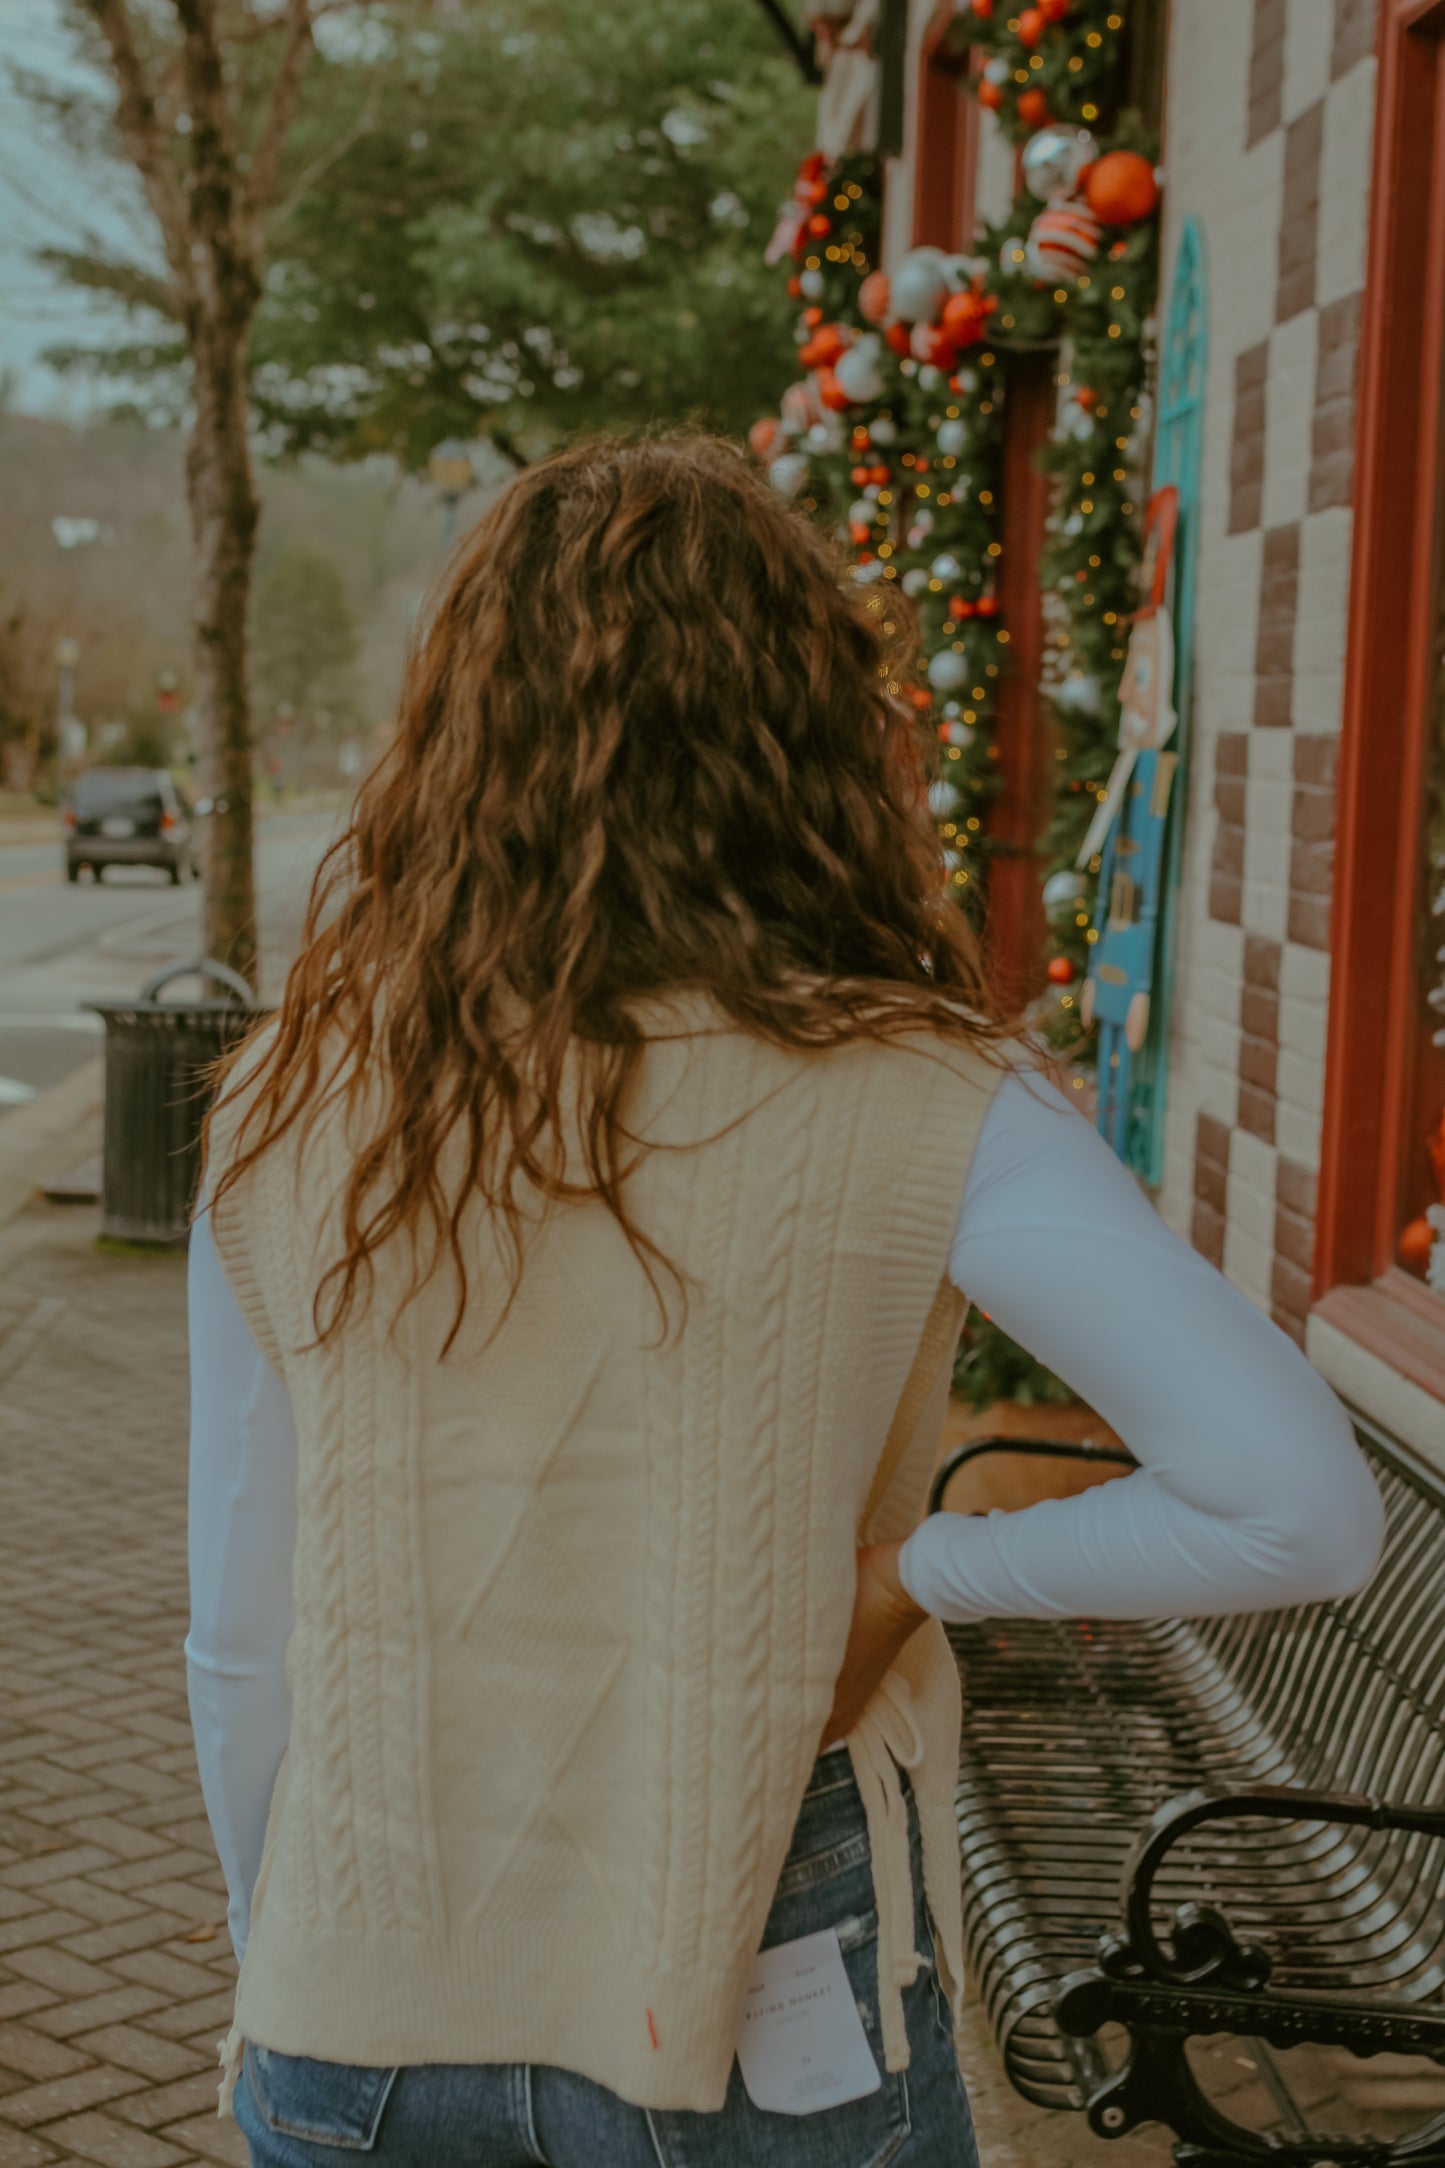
157, 1092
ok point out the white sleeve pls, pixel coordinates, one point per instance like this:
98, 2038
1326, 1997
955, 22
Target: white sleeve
242, 1537
1251, 1492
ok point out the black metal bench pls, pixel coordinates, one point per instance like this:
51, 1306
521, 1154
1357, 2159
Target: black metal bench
1231, 1826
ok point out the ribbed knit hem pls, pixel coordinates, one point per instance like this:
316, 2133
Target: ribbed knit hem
544, 1998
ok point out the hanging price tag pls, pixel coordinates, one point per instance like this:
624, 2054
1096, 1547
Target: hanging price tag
802, 2046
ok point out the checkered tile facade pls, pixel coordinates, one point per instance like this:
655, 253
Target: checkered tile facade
1270, 115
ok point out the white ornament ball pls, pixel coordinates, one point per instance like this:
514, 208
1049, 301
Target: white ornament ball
810, 285
967, 380
929, 377
789, 473
1065, 891
947, 671
866, 574
997, 71
942, 798
919, 286
958, 734
884, 430
825, 435
915, 581
952, 437
861, 513
1077, 422
859, 370
1073, 526
1054, 159
946, 566
1080, 693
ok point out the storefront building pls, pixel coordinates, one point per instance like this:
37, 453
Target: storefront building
1290, 1114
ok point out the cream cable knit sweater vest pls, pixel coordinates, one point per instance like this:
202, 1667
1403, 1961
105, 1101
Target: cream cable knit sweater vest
570, 1606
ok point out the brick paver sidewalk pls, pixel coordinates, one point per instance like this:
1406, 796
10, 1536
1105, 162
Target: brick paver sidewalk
115, 1967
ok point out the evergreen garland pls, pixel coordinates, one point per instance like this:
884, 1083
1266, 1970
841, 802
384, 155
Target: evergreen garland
895, 435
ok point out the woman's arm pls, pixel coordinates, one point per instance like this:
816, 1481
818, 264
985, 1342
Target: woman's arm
1251, 1494
242, 1536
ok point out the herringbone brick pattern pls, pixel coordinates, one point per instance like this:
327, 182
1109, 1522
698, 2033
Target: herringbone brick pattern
115, 1966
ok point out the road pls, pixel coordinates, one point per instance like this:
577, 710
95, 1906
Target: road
64, 945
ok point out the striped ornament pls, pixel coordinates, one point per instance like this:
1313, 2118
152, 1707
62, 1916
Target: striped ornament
1063, 241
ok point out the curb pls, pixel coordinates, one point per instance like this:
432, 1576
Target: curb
59, 1126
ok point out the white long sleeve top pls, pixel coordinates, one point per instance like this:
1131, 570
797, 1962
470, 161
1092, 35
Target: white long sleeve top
1251, 1492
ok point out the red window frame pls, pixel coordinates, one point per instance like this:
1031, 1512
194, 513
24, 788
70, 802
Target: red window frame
1394, 596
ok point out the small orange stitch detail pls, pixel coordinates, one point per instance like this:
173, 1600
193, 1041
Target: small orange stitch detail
652, 2030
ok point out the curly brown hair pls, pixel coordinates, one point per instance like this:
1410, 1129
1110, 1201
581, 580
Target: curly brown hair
653, 738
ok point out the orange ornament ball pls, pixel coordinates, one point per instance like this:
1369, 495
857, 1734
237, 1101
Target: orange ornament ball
831, 392
1054, 11
873, 297
990, 94
818, 225
823, 349
920, 696
763, 435
965, 318
900, 338
1061, 971
1033, 108
1032, 24
795, 287
1415, 1242
983, 9
1121, 187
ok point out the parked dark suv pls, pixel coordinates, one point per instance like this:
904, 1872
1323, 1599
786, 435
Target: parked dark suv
127, 817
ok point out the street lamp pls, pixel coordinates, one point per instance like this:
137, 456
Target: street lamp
70, 734
452, 475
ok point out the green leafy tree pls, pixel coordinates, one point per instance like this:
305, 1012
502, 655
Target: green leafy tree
553, 220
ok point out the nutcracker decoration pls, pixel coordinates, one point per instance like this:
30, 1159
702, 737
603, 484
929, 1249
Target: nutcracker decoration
1127, 833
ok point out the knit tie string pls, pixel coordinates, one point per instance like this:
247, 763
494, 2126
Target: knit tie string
886, 1740
229, 2056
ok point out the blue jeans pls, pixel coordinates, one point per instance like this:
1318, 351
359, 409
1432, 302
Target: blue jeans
298, 2113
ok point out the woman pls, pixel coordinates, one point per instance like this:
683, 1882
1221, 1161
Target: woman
586, 1248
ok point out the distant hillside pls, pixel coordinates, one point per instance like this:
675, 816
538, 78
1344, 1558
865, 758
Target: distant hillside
124, 597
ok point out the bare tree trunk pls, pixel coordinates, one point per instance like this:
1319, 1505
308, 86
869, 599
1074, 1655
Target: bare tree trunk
211, 211
224, 516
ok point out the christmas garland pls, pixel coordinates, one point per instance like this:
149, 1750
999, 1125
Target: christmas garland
894, 432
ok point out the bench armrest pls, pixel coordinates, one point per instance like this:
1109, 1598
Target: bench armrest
1203, 1946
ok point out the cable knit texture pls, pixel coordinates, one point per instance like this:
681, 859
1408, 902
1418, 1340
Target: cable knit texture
571, 1602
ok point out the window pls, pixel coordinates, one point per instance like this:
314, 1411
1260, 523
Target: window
1385, 1068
